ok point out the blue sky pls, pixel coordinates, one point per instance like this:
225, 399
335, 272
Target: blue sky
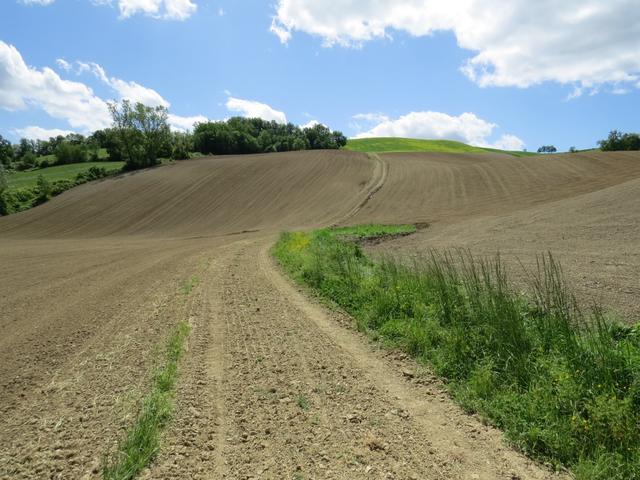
359, 66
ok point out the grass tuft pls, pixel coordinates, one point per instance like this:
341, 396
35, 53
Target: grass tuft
564, 386
142, 441
188, 285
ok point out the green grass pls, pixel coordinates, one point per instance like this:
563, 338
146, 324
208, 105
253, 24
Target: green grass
563, 386
28, 179
395, 144
142, 441
189, 285
371, 230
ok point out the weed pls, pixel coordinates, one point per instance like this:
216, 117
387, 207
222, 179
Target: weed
302, 401
563, 385
189, 285
142, 440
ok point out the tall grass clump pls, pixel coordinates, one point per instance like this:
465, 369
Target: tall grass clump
142, 441
564, 386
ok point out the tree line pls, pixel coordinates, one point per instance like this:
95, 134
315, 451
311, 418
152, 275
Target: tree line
140, 136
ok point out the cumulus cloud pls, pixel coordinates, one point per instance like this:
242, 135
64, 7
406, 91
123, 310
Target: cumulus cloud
161, 9
38, 133
467, 128
125, 89
183, 124
22, 86
253, 109
519, 43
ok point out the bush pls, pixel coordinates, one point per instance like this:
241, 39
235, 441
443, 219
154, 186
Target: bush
67, 153
27, 161
43, 189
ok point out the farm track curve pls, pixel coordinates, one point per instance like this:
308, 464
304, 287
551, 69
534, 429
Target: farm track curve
272, 385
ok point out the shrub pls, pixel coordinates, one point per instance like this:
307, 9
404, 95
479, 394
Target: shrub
43, 189
67, 153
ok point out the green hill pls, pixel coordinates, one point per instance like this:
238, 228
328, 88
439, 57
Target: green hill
394, 144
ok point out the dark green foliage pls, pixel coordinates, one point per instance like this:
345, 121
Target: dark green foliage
240, 135
67, 152
27, 161
182, 145
620, 141
547, 149
320, 137
564, 387
13, 201
6, 152
43, 189
142, 133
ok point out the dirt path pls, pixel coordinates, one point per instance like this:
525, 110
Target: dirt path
276, 386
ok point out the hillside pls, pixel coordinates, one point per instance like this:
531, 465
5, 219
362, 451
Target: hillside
92, 282
395, 144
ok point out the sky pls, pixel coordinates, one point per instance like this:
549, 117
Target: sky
513, 75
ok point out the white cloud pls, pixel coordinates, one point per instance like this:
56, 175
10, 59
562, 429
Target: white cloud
36, 2
253, 109
22, 86
38, 133
311, 124
518, 43
183, 124
371, 117
125, 89
221, 12
508, 142
63, 64
161, 9
467, 128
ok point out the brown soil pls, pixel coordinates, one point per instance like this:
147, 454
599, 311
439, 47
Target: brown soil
584, 208
273, 385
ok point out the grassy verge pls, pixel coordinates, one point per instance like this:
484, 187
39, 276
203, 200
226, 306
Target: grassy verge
394, 144
564, 387
29, 189
28, 179
142, 441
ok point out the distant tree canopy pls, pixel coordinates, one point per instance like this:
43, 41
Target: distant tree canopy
6, 152
620, 141
140, 134
547, 149
240, 135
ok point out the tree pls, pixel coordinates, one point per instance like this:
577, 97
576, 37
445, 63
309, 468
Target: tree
620, 141
43, 188
6, 152
4, 185
4, 181
573, 150
142, 133
182, 145
68, 152
547, 149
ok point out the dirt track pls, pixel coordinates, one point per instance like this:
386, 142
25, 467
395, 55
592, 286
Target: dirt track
273, 385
